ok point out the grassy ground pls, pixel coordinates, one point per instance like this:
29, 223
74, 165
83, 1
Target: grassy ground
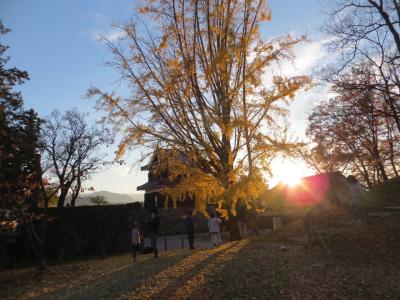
354, 262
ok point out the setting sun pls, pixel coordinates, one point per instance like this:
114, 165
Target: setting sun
291, 180
288, 172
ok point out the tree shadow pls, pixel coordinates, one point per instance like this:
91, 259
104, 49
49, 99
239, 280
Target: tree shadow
228, 269
167, 281
195, 270
246, 272
118, 280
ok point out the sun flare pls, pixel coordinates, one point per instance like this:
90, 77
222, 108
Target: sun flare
291, 180
289, 172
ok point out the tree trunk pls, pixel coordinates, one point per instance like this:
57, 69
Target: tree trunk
364, 172
389, 23
246, 127
390, 137
381, 168
75, 192
394, 113
37, 244
392, 162
73, 200
61, 199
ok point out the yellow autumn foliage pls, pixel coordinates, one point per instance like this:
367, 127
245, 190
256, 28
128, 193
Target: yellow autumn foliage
196, 87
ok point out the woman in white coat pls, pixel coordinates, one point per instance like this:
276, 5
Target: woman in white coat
214, 226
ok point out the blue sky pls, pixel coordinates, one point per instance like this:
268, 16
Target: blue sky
55, 41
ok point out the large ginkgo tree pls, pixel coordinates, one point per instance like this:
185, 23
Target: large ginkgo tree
202, 85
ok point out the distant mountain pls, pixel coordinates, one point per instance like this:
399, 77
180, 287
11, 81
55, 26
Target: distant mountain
110, 197
137, 196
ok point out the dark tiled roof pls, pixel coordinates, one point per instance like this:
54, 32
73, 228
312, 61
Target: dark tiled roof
165, 152
160, 183
146, 167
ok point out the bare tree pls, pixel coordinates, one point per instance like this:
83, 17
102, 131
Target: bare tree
70, 151
368, 32
98, 200
353, 131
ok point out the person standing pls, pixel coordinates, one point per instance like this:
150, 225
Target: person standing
190, 226
135, 239
154, 226
253, 221
357, 194
214, 225
241, 220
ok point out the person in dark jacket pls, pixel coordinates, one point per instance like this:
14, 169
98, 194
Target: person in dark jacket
190, 226
154, 226
241, 220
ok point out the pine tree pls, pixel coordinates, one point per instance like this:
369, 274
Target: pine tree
20, 169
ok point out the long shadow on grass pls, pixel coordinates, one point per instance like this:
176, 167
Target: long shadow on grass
164, 283
257, 269
190, 274
118, 280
